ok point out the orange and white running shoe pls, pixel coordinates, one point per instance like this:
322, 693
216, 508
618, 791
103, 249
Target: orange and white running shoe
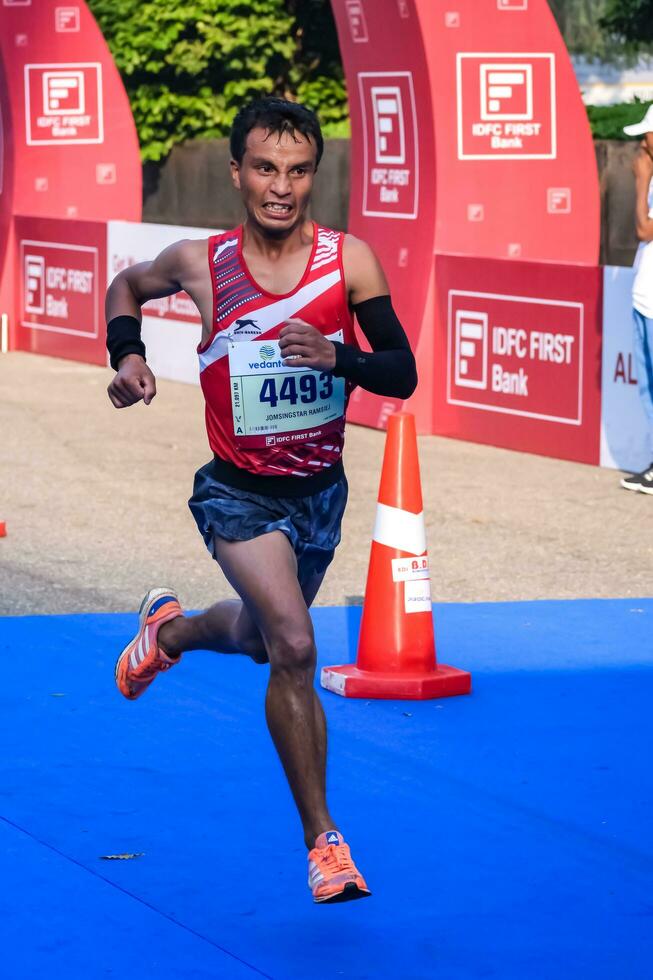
332, 875
142, 659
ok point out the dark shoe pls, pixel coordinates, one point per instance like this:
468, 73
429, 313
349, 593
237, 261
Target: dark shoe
639, 481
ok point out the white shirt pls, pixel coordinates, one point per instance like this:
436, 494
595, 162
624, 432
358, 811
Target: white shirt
643, 266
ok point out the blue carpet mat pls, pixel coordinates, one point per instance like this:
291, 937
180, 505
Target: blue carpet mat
505, 835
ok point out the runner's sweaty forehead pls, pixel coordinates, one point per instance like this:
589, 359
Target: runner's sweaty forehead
265, 145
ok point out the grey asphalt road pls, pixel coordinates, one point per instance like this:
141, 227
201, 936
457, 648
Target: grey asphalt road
94, 500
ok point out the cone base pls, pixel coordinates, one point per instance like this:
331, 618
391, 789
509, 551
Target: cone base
351, 682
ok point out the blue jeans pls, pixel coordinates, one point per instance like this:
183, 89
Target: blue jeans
643, 351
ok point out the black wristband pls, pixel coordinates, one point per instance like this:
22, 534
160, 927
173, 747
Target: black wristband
124, 337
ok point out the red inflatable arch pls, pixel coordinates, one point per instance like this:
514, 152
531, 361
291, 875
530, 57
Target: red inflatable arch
474, 178
68, 150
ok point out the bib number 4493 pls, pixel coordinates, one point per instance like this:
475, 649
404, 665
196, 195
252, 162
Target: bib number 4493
304, 388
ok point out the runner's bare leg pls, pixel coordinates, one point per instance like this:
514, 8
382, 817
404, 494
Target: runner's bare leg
225, 627
264, 573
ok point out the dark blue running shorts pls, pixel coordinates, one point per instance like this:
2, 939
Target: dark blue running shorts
311, 524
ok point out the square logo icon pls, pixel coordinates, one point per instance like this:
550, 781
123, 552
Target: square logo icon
506, 106
63, 93
66, 20
357, 22
63, 104
390, 150
558, 200
105, 173
34, 270
452, 18
470, 355
475, 212
506, 91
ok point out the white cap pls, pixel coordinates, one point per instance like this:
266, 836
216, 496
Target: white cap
645, 126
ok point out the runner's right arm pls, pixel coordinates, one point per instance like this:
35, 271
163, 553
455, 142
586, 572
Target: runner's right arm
130, 289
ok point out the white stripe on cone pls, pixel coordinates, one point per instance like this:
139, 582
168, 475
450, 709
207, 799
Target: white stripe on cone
400, 529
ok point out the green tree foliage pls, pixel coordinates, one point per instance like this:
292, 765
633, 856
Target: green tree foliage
607, 121
608, 30
630, 21
189, 66
579, 25
317, 77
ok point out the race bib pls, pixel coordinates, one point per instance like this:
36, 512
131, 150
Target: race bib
275, 404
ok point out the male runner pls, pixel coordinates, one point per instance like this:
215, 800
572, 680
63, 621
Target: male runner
278, 360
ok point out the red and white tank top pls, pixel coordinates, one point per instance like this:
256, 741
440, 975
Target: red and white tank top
261, 416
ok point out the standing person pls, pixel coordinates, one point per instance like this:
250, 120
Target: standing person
278, 361
643, 287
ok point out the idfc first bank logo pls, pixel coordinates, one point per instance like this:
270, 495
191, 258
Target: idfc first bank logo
63, 104
59, 288
390, 167
517, 355
506, 106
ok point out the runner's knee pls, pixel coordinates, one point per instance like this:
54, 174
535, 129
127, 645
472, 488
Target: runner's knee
292, 651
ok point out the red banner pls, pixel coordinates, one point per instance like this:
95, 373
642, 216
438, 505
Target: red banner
518, 357
60, 287
68, 144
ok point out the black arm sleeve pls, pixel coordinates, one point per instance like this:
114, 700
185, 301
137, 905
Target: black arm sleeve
124, 337
390, 368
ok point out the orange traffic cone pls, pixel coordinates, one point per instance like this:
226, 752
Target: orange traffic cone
396, 646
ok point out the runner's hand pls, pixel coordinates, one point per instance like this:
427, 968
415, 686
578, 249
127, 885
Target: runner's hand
301, 345
133, 382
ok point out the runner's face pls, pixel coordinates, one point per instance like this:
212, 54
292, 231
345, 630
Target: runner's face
275, 179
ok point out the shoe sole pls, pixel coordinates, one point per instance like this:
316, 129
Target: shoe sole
637, 487
349, 893
142, 616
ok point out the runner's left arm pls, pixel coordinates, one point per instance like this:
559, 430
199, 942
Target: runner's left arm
389, 369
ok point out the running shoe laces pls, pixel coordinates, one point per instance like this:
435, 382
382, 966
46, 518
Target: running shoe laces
336, 858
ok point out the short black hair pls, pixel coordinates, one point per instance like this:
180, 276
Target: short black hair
278, 116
